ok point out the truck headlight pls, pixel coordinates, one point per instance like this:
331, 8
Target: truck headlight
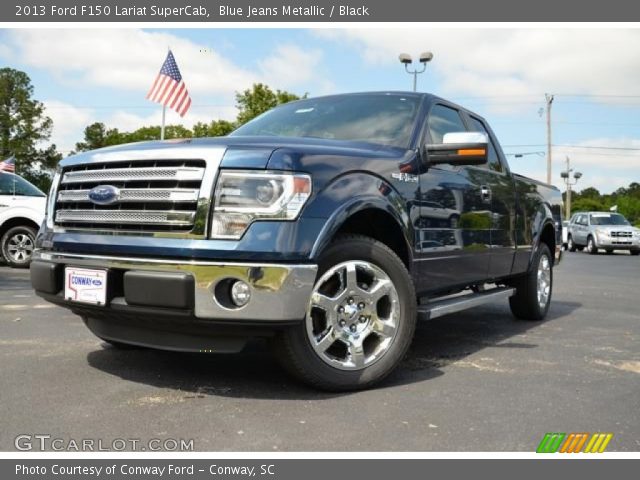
242, 197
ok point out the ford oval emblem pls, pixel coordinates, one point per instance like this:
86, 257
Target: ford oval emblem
104, 194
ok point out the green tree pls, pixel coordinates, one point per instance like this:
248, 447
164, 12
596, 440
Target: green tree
97, 135
590, 192
153, 133
217, 128
586, 204
24, 128
258, 99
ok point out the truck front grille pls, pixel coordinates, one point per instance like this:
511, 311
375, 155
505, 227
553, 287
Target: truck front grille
154, 195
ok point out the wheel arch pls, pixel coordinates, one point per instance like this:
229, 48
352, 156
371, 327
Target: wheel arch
18, 222
371, 217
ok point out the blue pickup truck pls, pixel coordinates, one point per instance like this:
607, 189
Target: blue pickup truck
327, 225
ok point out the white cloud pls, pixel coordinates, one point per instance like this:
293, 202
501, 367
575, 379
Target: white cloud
68, 123
290, 65
129, 59
622, 153
503, 62
604, 169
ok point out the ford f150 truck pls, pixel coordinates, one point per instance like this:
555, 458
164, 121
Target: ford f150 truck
327, 224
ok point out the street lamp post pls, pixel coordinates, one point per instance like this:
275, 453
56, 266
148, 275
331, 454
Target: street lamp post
406, 60
566, 174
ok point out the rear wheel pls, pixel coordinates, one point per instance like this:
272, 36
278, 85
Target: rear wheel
360, 318
533, 291
17, 246
591, 246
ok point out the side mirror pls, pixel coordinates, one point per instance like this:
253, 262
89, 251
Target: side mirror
459, 148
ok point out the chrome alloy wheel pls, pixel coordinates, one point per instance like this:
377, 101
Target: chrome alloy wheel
353, 315
20, 247
544, 281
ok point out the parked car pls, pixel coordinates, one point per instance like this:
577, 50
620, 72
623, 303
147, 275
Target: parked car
565, 234
22, 208
299, 227
602, 230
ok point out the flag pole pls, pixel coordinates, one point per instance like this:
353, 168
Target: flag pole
164, 107
164, 110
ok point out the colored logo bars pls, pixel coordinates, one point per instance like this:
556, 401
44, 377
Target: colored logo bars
574, 443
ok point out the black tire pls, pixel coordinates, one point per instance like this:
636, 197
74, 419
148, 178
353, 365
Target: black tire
592, 249
580, 248
609, 252
293, 346
17, 246
524, 303
571, 246
635, 252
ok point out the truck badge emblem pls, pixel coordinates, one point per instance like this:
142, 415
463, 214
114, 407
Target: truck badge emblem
104, 194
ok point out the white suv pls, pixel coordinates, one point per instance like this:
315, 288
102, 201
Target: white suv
22, 208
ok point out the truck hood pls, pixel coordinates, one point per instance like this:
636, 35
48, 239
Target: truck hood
242, 152
617, 228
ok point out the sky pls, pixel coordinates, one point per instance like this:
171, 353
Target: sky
88, 75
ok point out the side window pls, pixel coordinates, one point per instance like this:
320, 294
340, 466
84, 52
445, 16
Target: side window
13, 185
6, 184
494, 161
443, 120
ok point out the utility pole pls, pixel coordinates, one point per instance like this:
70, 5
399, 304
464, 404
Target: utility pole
568, 214
549, 100
566, 174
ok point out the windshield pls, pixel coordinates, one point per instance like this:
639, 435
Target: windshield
376, 118
14, 185
608, 219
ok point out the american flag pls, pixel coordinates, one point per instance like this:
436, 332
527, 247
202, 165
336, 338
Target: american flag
169, 89
8, 165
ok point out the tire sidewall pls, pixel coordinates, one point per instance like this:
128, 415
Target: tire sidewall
543, 250
358, 248
4, 244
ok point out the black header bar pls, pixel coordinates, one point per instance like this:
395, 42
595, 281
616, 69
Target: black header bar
251, 11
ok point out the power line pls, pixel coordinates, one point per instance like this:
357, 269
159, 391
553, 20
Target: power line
595, 147
598, 147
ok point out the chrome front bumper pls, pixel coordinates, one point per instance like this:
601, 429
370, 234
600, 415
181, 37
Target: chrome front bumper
617, 243
279, 292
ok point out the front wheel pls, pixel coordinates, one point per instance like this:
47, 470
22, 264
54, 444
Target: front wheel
360, 319
533, 291
571, 246
17, 246
591, 246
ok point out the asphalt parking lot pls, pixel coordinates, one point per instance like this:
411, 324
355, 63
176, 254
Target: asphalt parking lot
474, 381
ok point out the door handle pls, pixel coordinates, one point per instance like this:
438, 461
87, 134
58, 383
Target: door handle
485, 193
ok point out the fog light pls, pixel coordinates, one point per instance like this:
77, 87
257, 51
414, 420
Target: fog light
240, 293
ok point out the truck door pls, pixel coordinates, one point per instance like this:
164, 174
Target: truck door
498, 184
453, 228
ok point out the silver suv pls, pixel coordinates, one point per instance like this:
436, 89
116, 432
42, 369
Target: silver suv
607, 230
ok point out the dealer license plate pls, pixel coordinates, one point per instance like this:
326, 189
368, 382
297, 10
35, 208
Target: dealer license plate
85, 285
